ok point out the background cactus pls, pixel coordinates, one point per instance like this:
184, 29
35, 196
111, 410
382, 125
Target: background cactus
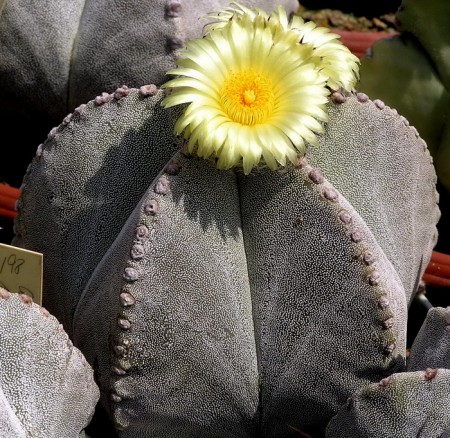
402, 69
56, 55
431, 346
413, 401
46, 386
301, 278
413, 404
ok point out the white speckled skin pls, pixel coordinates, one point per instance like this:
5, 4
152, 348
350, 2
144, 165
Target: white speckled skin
409, 404
318, 277
36, 41
173, 328
10, 425
128, 140
216, 305
388, 177
179, 313
47, 388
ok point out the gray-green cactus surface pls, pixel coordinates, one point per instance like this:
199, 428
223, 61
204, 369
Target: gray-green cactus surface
10, 424
387, 176
126, 131
216, 304
412, 403
47, 388
193, 326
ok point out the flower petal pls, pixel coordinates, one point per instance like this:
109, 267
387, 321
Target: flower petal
256, 86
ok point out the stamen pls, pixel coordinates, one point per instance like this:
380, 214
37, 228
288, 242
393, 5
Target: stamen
247, 97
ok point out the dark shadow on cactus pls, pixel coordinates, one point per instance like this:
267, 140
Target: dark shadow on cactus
126, 157
27, 117
299, 432
443, 226
204, 213
417, 313
101, 426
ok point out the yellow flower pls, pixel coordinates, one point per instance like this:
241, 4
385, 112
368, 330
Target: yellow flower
330, 55
254, 93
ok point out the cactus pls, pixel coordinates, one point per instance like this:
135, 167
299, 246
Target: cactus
402, 405
403, 68
213, 284
46, 386
56, 55
243, 301
431, 347
129, 131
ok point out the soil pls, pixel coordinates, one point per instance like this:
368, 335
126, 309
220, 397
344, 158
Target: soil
337, 19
